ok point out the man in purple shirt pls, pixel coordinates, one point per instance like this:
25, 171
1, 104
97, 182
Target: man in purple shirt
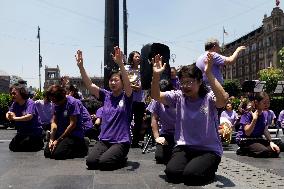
219, 61
25, 115
111, 150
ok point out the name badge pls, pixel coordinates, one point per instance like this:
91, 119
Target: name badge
120, 104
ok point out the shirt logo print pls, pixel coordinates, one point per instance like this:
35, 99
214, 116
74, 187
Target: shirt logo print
204, 109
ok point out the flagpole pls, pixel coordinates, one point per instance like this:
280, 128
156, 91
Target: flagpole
223, 43
39, 58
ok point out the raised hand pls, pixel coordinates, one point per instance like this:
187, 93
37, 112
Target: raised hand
158, 66
208, 63
241, 48
117, 56
255, 114
79, 58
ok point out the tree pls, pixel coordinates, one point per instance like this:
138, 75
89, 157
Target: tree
271, 76
232, 87
281, 57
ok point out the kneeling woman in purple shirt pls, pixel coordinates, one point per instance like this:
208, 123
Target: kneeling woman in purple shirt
24, 113
252, 127
198, 149
114, 140
67, 132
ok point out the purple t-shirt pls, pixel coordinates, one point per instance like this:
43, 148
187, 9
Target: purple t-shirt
31, 127
270, 116
259, 127
116, 117
196, 122
176, 84
167, 116
232, 116
99, 112
281, 118
63, 113
86, 117
218, 63
45, 111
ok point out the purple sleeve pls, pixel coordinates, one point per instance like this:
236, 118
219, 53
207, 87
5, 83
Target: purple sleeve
246, 118
219, 59
30, 107
172, 96
102, 94
281, 116
152, 107
99, 112
74, 109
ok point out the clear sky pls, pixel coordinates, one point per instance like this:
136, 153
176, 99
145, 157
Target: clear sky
68, 25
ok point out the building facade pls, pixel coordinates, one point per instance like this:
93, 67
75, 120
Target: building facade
263, 45
52, 76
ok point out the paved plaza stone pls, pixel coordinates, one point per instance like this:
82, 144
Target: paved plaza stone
22, 170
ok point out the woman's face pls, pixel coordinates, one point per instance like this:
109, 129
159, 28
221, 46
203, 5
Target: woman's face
136, 59
115, 83
229, 107
173, 73
16, 96
263, 104
190, 86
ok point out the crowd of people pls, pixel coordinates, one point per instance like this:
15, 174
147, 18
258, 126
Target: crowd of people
187, 121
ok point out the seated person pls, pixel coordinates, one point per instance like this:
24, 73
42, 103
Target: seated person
252, 127
45, 110
67, 133
280, 120
163, 119
230, 114
111, 150
25, 115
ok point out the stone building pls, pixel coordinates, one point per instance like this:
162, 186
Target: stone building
263, 45
52, 76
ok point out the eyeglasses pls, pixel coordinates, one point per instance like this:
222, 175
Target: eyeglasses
187, 83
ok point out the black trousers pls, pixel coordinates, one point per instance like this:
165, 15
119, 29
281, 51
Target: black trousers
69, 147
259, 148
25, 143
138, 110
107, 156
192, 167
163, 153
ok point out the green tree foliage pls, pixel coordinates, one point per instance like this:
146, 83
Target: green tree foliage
232, 87
271, 76
281, 57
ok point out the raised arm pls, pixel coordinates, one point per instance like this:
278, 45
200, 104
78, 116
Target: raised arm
232, 59
158, 68
219, 92
118, 59
93, 88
